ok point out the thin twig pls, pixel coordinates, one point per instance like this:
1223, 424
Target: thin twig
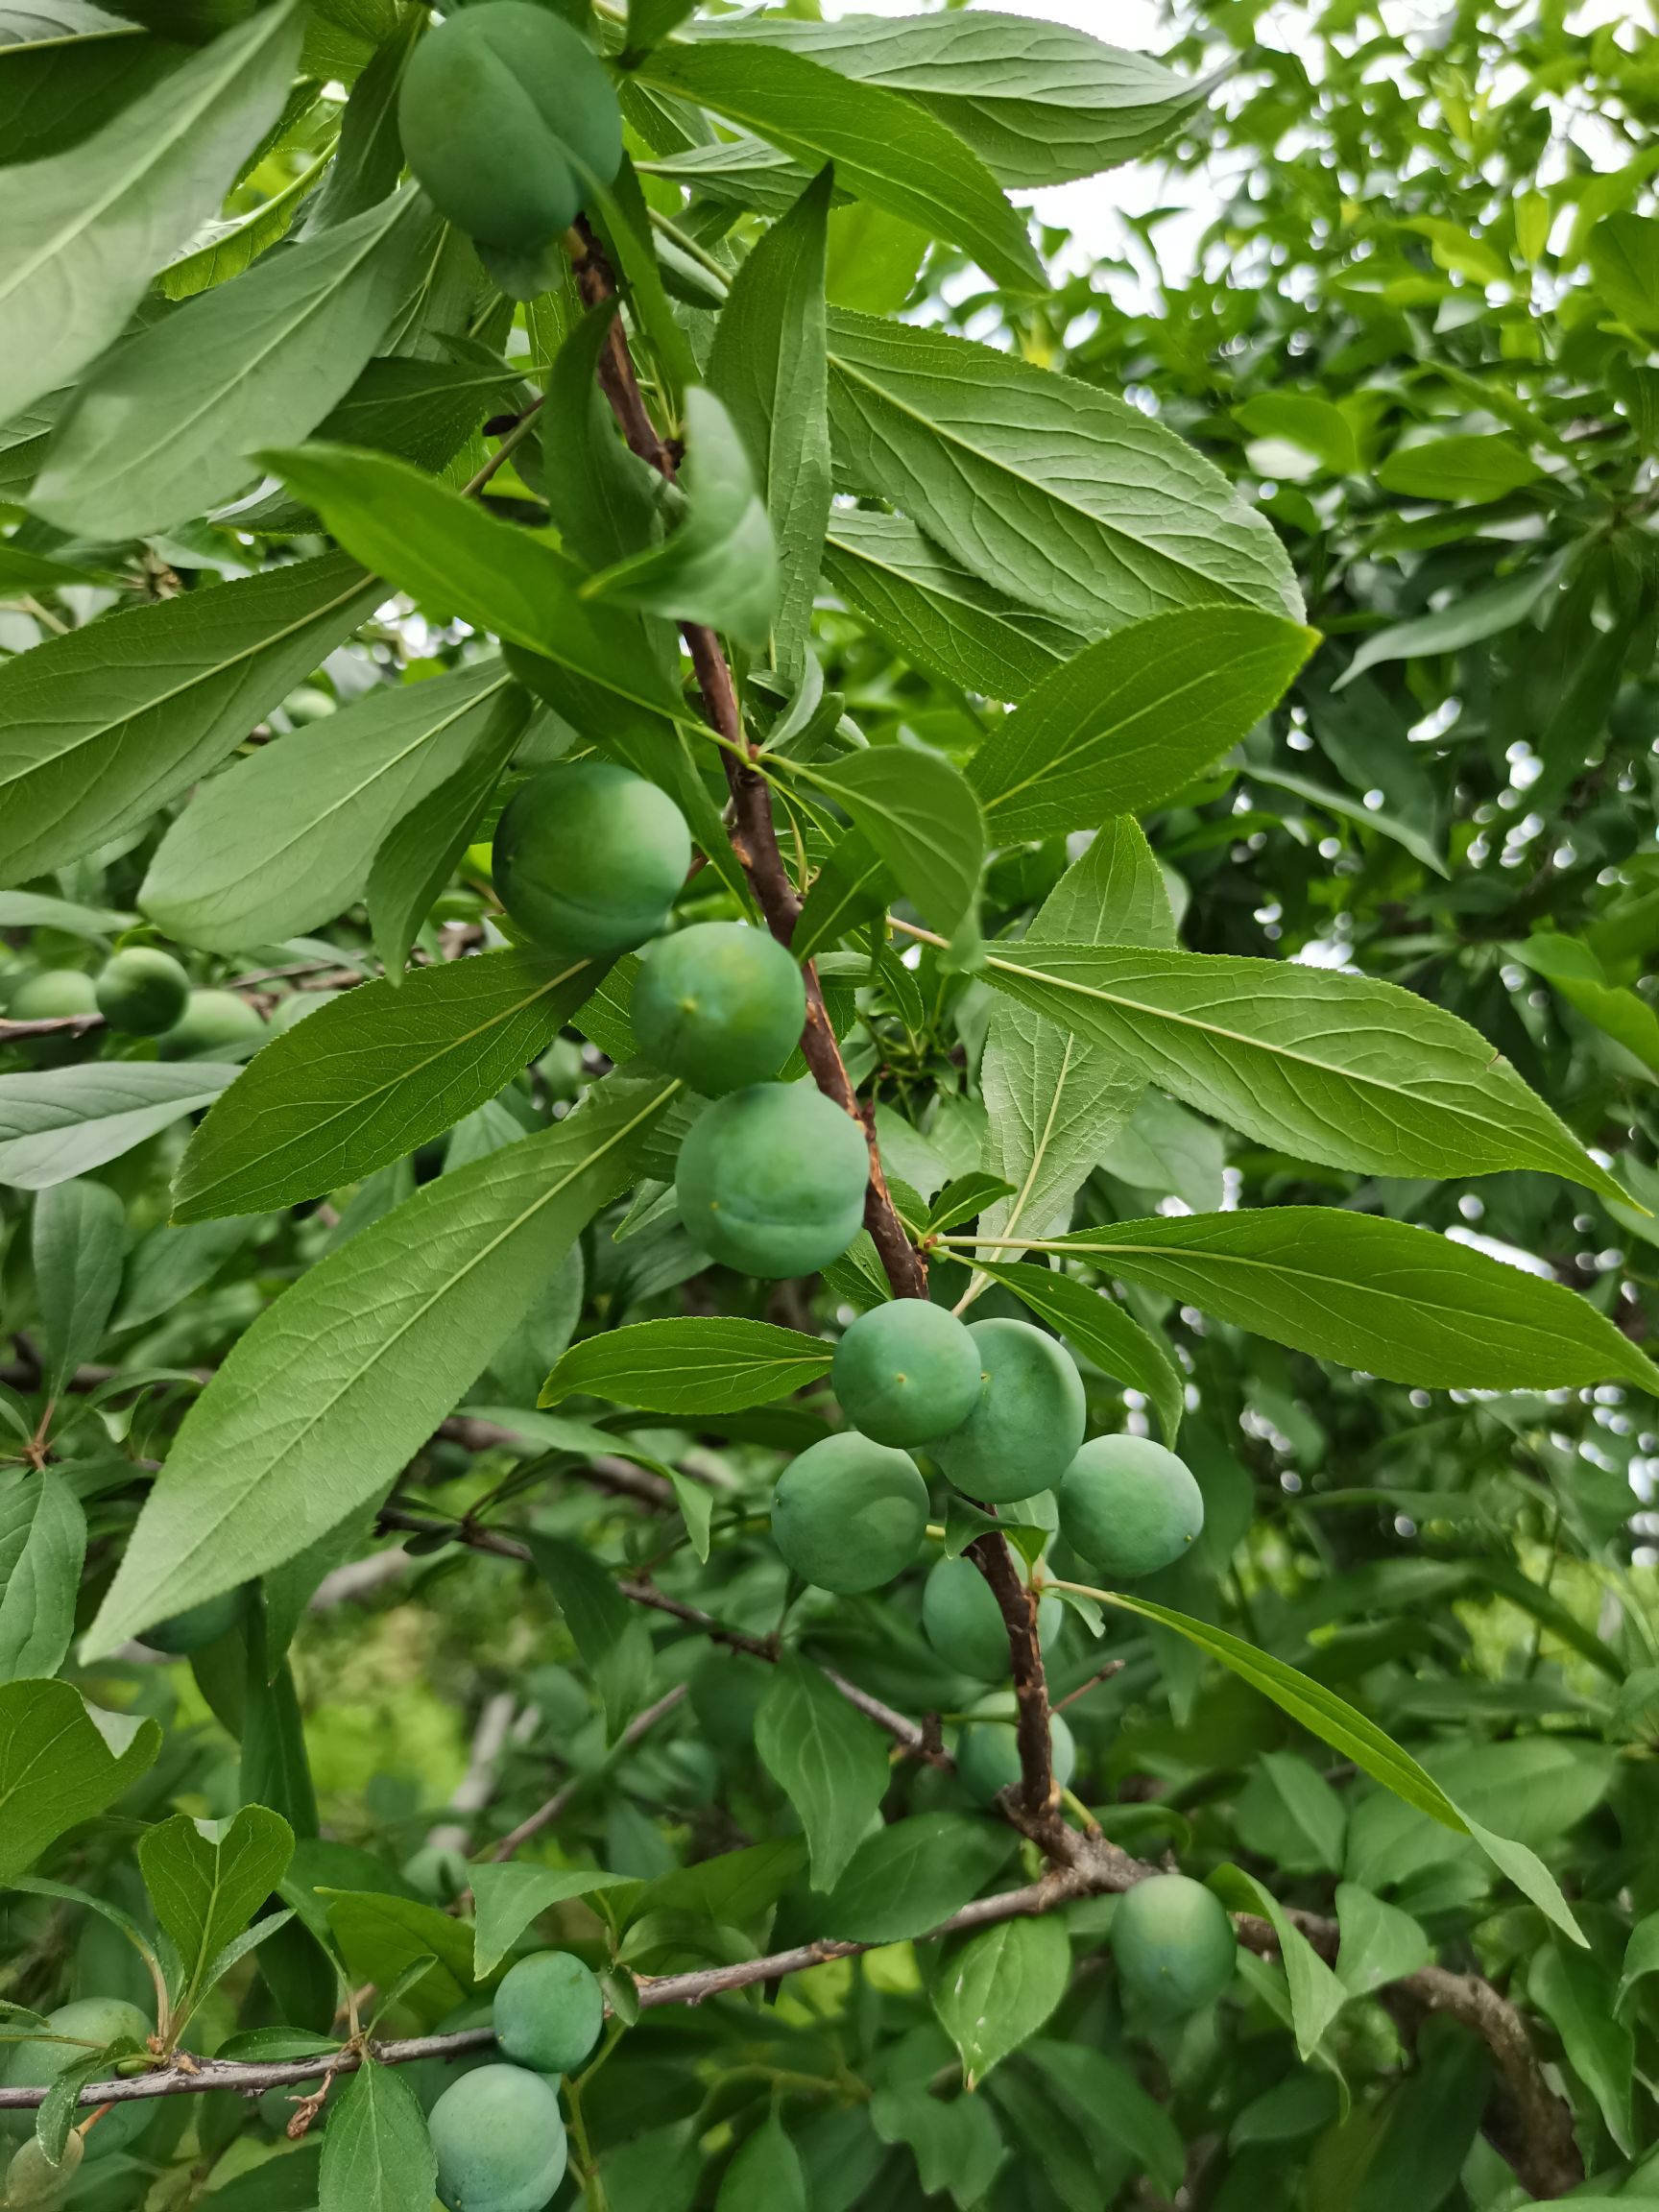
546, 1815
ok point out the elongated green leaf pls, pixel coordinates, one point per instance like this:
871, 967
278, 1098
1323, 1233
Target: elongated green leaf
1485, 466
1573, 969
61, 1764
995, 1990
206, 1880
938, 613
829, 1762
226, 249
77, 1243
770, 365
1347, 1730
378, 2155
375, 1073
81, 232
102, 726
611, 1635
1471, 617
1040, 103
907, 1878
765, 2176
455, 560
381, 1937
1132, 718
42, 1546
337, 1383
38, 910
1625, 263
67, 1121
719, 565
1376, 1294
1576, 1991
886, 149
507, 1898
1103, 1332
1316, 1995
921, 819
168, 425
1048, 489
1380, 1943
690, 1365
67, 67
1331, 1066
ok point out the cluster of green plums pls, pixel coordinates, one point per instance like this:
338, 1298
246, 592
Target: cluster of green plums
75, 2030
498, 2133
140, 992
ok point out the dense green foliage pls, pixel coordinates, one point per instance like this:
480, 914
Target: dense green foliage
501, 1540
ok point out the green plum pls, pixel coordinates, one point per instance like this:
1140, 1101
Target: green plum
771, 1180
143, 990
549, 2011
1173, 1944
1025, 1428
1129, 1506
964, 1622
212, 1022
497, 2136
848, 1514
587, 857
906, 1372
988, 1750
719, 1005
87, 2026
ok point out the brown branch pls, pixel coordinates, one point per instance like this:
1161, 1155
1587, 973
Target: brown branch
544, 1816
1039, 1794
50, 1026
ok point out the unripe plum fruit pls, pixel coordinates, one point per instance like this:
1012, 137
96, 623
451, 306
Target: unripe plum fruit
88, 2024
502, 109
963, 1622
906, 1372
1025, 1428
1173, 1944
587, 857
212, 1022
549, 2011
719, 1005
142, 991
988, 1750
848, 1514
53, 993
196, 1627
1129, 1506
771, 1180
32, 2179
497, 2133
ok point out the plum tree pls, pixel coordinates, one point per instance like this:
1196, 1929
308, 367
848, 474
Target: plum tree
212, 1022
1173, 1944
549, 2012
198, 1626
848, 1514
505, 115
719, 1005
83, 2027
906, 1372
963, 1624
988, 1750
771, 1180
1025, 1431
142, 991
500, 2141
1129, 1506
587, 857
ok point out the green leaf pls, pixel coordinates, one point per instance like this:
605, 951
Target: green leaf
652, 21
61, 1763
107, 723
380, 1935
1336, 1723
417, 856
1473, 469
1625, 267
909, 1877
85, 229
1040, 103
376, 2153
938, 613
922, 819
454, 559
995, 1990
1571, 967
1048, 489
1380, 1943
167, 425
1641, 1956
1107, 2101
42, 1546
339, 1383
609, 1633
370, 156
1469, 618
719, 565
765, 2176
36, 910
65, 69
1575, 1989
770, 367
1316, 1995
67, 1120
829, 1762
1329, 1066
884, 148
1378, 1295
78, 1245
207, 1878
1131, 719
957, 2147
690, 1364
373, 1073
507, 1898
233, 245
1305, 420
284, 838
1103, 1332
